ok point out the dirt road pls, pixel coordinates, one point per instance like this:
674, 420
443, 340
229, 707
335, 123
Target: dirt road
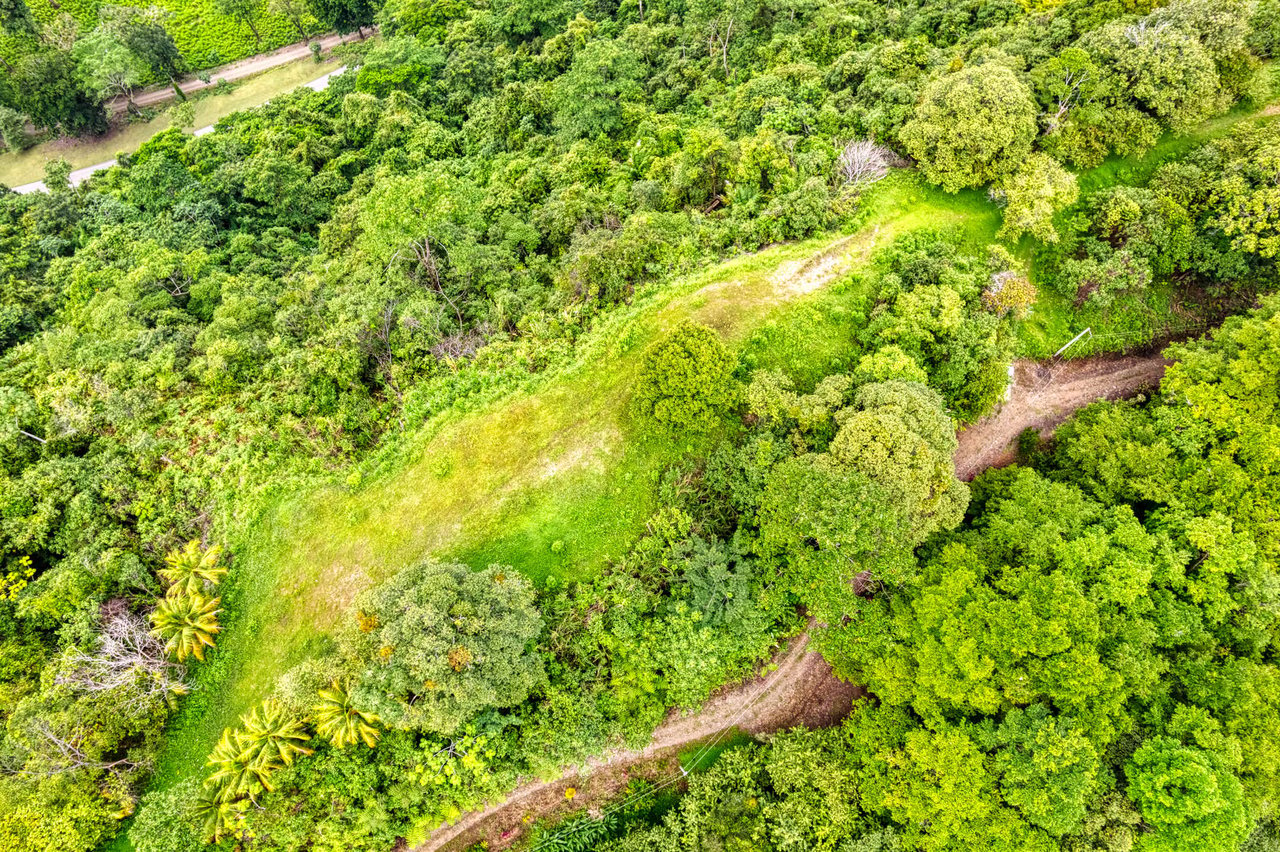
79, 176
801, 690
1046, 394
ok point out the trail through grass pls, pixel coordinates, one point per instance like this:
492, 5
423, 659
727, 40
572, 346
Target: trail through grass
555, 480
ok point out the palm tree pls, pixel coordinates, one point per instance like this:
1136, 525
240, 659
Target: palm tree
186, 624
191, 571
217, 816
271, 737
339, 720
234, 774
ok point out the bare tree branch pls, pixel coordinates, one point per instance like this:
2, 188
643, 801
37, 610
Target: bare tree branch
128, 658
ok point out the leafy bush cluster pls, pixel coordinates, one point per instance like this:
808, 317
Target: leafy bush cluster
1088, 663
1200, 217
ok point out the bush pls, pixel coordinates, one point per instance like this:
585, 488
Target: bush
686, 382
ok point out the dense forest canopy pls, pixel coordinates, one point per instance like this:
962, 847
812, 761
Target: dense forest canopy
1075, 654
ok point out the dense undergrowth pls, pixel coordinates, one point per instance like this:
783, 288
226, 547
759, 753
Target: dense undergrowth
1086, 663
506, 468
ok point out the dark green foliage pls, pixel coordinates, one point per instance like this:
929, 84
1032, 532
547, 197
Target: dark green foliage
972, 127
343, 15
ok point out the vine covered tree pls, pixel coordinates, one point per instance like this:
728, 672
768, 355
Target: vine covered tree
440, 642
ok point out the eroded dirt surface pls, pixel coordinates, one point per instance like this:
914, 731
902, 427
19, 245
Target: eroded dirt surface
800, 691
1046, 394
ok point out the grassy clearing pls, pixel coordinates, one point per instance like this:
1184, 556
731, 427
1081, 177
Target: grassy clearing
553, 479
210, 107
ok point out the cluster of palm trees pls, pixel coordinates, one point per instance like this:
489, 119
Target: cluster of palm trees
186, 618
269, 738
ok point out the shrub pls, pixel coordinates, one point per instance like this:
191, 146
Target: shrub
686, 382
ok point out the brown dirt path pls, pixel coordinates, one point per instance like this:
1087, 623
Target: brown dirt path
1046, 394
800, 689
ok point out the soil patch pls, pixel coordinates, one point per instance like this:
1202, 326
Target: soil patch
1043, 396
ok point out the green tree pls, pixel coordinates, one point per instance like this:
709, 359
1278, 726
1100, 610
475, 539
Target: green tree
1048, 767
337, 718
938, 788
1033, 193
109, 68
13, 129
439, 643
15, 18
295, 11
972, 127
1189, 798
344, 15
686, 380
271, 737
245, 11
899, 436
1015, 611
590, 98
837, 532
46, 89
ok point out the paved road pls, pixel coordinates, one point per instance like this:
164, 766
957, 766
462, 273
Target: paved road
239, 70
79, 176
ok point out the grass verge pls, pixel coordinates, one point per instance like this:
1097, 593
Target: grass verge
210, 107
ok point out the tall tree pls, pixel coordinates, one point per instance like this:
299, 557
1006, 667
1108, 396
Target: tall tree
144, 34
15, 18
440, 643
245, 11
344, 15
46, 88
108, 68
972, 127
296, 13
187, 624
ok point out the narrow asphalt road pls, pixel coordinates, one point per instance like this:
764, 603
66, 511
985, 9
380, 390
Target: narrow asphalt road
79, 176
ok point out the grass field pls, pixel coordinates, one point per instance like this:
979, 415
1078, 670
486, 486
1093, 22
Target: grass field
553, 477
210, 107
554, 480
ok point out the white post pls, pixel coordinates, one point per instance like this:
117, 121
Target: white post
1070, 343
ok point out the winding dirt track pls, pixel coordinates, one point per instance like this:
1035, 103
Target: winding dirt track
1046, 394
800, 689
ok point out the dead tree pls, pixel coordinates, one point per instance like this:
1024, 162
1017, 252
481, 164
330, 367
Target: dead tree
862, 162
130, 660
